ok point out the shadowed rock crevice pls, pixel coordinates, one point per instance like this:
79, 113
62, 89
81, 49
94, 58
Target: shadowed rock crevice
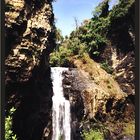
33, 113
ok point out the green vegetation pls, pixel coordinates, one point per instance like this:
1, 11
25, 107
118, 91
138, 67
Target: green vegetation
62, 55
106, 67
121, 10
102, 9
101, 131
92, 135
59, 37
92, 36
123, 128
8, 126
129, 128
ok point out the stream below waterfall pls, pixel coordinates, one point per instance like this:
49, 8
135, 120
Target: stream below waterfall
61, 107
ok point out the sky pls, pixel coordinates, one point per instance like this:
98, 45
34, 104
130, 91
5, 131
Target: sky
66, 11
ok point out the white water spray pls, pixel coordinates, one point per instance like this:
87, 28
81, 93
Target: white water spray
61, 107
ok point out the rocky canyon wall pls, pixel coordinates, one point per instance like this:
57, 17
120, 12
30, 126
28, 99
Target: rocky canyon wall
29, 37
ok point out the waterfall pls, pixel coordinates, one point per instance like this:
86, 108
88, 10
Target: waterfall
61, 107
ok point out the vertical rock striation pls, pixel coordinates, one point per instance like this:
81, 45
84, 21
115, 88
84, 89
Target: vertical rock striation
30, 30
30, 37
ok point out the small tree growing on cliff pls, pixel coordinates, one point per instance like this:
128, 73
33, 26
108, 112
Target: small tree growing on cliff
102, 9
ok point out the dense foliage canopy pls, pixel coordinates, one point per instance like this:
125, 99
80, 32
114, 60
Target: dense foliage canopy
96, 33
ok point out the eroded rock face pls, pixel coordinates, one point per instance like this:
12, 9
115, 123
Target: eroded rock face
89, 100
120, 53
29, 37
123, 65
29, 40
125, 73
81, 90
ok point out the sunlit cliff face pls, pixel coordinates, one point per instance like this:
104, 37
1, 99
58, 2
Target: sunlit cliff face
29, 33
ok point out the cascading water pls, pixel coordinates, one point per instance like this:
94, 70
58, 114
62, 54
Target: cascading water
61, 107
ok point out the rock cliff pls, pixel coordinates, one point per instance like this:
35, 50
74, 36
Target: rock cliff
95, 95
30, 37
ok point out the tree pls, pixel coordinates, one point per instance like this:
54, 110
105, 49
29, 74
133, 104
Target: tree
102, 9
59, 37
76, 22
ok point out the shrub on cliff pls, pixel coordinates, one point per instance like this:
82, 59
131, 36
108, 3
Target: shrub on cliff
102, 9
106, 67
9, 135
69, 48
92, 135
60, 57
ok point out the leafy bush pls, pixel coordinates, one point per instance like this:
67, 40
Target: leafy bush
68, 49
60, 57
102, 9
8, 126
106, 67
92, 135
121, 10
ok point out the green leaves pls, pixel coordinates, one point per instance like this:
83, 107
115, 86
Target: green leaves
93, 134
96, 53
59, 37
8, 126
102, 9
12, 110
106, 67
93, 35
69, 48
121, 10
